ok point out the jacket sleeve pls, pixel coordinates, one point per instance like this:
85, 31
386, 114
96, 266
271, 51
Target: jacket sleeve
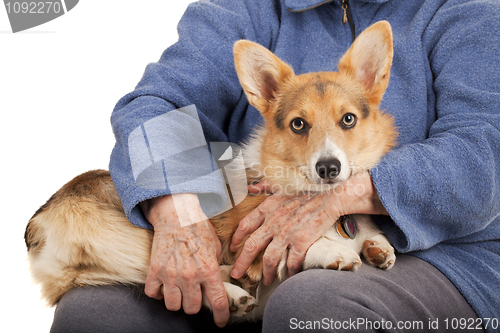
447, 188
184, 101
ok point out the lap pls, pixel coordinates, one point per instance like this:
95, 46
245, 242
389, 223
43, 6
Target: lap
413, 294
126, 309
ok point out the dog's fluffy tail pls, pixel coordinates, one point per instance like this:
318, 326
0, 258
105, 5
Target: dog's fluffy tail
81, 236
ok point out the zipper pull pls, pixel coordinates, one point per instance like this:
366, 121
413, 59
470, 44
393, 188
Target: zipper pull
347, 17
344, 15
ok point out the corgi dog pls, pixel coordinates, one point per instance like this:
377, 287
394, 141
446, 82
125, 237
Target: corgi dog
322, 128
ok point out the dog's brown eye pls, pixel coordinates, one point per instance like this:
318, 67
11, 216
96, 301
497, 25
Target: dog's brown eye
348, 121
298, 125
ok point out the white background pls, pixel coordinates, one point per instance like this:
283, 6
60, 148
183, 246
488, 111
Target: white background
59, 83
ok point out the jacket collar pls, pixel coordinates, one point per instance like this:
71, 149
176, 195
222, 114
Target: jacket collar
303, 5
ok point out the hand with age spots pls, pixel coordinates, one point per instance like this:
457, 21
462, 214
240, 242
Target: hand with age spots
184, 257
295, 223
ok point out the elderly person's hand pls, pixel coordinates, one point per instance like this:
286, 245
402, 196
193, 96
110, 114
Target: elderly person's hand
184, 257
295, 223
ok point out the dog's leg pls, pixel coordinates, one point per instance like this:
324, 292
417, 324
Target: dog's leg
374, 246
327, 252
240, 301
239, 293
378, 252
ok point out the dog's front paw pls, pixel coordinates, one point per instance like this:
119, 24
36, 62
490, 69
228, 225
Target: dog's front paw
378, 252
330, 254
344, 262
240, 301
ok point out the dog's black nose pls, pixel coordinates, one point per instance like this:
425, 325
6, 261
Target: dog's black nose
328, 169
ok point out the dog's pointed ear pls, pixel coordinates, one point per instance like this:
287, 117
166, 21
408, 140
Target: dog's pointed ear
369, 59
260, 72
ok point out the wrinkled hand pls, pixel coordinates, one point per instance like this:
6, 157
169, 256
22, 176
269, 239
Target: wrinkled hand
295, 223
184, 257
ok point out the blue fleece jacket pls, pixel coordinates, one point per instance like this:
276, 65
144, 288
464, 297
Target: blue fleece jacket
441, 185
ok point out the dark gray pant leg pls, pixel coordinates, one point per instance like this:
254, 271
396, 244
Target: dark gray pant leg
413, 293
122, 309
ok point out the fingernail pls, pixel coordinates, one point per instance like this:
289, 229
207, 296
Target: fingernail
235, 274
